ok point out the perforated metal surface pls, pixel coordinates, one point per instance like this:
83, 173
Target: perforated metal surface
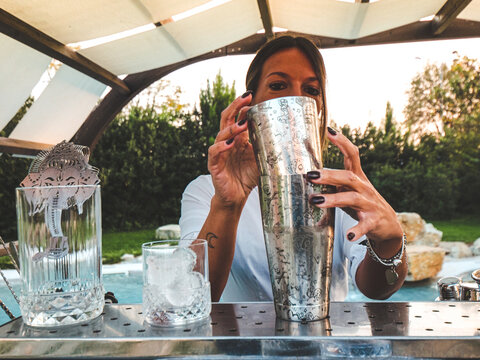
382, 330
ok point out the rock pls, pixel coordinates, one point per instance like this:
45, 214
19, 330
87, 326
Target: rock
424, 262
412, 224
429, 236
476, 247
127, 257
456, 249
168, 232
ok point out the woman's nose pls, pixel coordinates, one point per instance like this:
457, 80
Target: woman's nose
295, 90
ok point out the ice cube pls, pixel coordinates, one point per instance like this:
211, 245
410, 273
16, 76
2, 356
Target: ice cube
160, 270
184, 259
194, 280
185, 289
161, 277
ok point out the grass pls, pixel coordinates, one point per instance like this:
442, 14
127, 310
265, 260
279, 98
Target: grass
115, 244
466, 229
5, 263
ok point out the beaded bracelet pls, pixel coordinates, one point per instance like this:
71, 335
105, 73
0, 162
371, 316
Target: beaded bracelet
390, 274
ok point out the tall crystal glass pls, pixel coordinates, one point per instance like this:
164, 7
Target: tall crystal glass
60, 252
176, 289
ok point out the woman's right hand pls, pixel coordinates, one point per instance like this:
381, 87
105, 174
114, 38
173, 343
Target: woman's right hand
231, 161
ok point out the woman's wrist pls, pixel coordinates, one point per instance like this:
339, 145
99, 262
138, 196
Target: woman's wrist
232, 207
387, 248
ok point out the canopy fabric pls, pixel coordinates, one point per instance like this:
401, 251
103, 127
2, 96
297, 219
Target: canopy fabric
20, 70
176, 41
71, 21
471, 12
151, 49
144, 39
61, 108
349, 20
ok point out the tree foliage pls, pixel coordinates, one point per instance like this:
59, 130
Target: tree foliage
12, 171
445, 98
146, 161
213, 100
450, 97
425, 107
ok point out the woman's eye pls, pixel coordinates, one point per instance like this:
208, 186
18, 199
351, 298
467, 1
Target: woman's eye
276, 86
310, 90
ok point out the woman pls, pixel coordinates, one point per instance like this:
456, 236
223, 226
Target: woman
224, 207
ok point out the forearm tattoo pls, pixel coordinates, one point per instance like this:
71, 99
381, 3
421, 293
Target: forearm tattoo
210, 238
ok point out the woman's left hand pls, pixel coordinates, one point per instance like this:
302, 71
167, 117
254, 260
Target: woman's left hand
357, 196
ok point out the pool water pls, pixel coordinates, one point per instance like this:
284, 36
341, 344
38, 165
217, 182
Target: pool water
126, 287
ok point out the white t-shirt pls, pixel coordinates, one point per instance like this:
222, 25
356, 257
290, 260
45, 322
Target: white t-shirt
249, 278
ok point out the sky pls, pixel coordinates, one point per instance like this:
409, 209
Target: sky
360, 80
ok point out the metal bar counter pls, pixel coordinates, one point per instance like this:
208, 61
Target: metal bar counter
384, 330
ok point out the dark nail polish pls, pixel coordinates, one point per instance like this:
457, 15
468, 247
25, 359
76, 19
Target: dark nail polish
350, 236
248, 92
331, 131
229, 141
314, 174
241, 122
316, 200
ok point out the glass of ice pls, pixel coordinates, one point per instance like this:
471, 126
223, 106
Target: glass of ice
176, 290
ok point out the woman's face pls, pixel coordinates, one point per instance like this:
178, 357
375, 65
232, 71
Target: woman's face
288, 72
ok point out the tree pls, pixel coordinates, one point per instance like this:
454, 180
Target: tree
12, 171
213, 100
140, 169
388, 123
449, 99
425, 106
444, 98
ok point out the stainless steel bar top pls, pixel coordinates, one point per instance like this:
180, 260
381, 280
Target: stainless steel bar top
384, 330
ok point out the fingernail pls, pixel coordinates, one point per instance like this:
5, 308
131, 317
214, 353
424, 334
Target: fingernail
331, 131
316, 200
314, 174
350, 236
241, 122
229, 141
248, 92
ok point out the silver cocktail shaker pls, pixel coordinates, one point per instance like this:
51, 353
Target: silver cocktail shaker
286, 141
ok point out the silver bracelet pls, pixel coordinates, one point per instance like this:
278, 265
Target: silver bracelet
390, 274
